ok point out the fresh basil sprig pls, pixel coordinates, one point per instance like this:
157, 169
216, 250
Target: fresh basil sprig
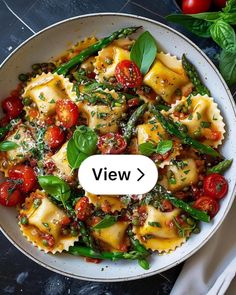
55, 187
144, 51
107, 221
82, 145
8, 145
218, 26
148, 148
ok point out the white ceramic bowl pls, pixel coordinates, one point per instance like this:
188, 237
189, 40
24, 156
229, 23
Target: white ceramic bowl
51, 42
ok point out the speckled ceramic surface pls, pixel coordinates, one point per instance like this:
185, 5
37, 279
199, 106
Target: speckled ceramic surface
53, 41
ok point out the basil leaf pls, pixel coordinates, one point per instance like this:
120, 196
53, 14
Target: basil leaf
164, 146
228, 66
144, 52
229, 18
8, 145
107, 221
199, 27
85, 140
230, 6
147, 148
209, 16
55, 187
223, 34
74, 156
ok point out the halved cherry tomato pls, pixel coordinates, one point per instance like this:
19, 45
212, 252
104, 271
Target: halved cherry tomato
67, 112
215, 186
133, 102
207, 204
9, 195
12, 106
83, 208
112, 143
26, 176
128, 74
195, 6
220, 3
54, 136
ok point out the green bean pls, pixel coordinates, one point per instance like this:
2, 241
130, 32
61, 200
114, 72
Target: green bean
84, 54
220, 167
194, 77
133, 120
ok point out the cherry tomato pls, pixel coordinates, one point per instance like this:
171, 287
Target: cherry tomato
9, 195
65, 220
195, 6
220, 3
128, 74
12, 106
112, 143
4, 121
215, 186
54, 136
25, 174
83, 208
67, 112
207, 204
133, 102
91, 75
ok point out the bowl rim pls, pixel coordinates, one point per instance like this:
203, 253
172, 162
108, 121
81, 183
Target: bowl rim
233, 104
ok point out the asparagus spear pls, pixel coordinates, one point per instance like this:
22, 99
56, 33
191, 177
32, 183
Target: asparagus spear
133, 120
220, 167
194, 77
88, 252
195, 213
174, 129
84, 54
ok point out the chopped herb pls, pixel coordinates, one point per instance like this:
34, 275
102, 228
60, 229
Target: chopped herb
37, 203
189, 101
214, 118
102, 115
199, 116
190, 117
154, 223
93, 113
186, 172
41, 96
52, 101
183, 179
205, 124
45, 224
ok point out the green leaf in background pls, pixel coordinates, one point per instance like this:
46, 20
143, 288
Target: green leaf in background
55, 187
147, 148
208, 16
228, 66
144, 52
74, 156
85, 140
164, 146
8, 145
107, 221
223, 34
199, 27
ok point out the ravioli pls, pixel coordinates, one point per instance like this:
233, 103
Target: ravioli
163, 238
202, 118
44, 219
166, 76
45, 89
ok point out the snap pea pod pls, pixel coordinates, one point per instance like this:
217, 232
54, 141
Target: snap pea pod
194, 77
195, 213
220, 167
84, 54
133, 120
174, 129
88, 252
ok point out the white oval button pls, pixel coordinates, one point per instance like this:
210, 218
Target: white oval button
117, 174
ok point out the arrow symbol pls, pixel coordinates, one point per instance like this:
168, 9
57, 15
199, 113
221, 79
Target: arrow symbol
142, 174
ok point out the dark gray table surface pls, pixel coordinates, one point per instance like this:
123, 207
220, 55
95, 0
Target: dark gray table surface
20, 19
